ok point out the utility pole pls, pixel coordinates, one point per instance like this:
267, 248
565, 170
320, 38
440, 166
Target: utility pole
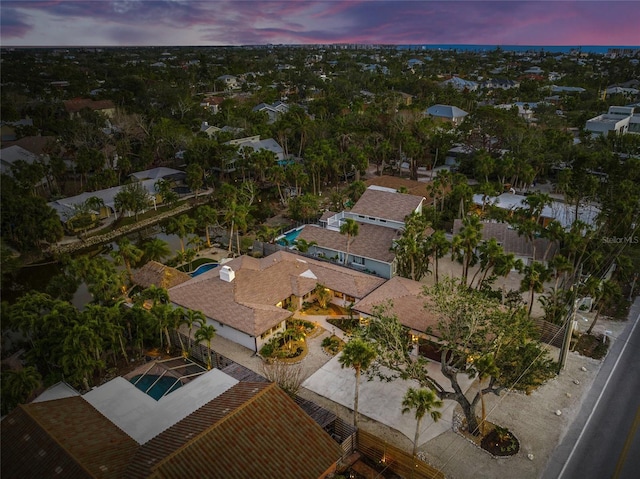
568, 333
569, 322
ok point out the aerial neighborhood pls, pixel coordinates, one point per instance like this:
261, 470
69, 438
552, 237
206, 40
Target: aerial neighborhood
319, 261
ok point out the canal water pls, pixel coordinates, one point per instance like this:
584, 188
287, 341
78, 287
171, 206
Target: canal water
37, 276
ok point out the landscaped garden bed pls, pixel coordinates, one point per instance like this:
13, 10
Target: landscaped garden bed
332, 345
348, 325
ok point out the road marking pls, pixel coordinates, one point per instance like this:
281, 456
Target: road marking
627, 445
604, 388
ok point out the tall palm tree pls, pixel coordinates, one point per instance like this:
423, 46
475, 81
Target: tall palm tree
535, 275
607, 293
349, 228
182, 226
127, 254
438, 245
206, 333
359, 355
207, 216
463, 246
422, 401
190, 318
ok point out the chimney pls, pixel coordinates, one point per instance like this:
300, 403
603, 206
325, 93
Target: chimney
227, 274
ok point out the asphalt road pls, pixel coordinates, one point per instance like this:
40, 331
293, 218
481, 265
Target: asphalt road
604, 440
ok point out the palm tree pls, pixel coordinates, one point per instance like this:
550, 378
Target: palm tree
206, 215
607, 293
359, 355
464, 244
155, 249
183, 225
206, 333
349, 228
236, 218
190, 318
323, 295
423, 401
303, 245
166, 317
438, 245
535, 275
127, 253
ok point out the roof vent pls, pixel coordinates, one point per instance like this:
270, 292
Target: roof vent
227, 274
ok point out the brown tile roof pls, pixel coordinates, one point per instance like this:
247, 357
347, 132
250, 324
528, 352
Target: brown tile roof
253, 430
372, 241
77, 104
417, 188
407, 303
154, 273
63, 438
510, 240
37, 145
385, 204
248, 304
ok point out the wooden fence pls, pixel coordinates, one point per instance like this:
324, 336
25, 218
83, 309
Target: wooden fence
394, 459
550, 333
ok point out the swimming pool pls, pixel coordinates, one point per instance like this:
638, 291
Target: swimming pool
203, 268
289, 237
164, 385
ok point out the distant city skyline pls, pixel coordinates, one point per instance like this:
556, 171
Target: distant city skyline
240, 22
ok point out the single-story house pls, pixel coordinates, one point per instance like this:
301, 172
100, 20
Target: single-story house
447, 113
248, 300
213, 426
8, 128
160, 275
512, 242
76, 105
561, 212
256, 144
273, 111
460, 84
67, 208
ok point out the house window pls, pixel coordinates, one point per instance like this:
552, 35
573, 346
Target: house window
358, 260
350, 299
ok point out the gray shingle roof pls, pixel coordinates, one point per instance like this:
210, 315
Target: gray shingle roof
385, 204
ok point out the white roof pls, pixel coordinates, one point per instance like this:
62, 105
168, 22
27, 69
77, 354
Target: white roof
557, 210
57, 391
142, 417
12, 154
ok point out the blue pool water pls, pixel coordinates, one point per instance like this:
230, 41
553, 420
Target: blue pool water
161, 387
289, 236
203, 268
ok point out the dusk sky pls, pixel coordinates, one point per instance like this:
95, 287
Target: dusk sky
239, 22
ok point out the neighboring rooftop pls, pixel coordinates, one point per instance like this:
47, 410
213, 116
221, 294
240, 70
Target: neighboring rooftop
158, 274
251, 430
385, 203
141, 416
63, 438
372, 241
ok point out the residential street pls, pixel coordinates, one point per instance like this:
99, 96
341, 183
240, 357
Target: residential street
604, 440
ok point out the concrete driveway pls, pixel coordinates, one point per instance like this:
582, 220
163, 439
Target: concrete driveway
380, 400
